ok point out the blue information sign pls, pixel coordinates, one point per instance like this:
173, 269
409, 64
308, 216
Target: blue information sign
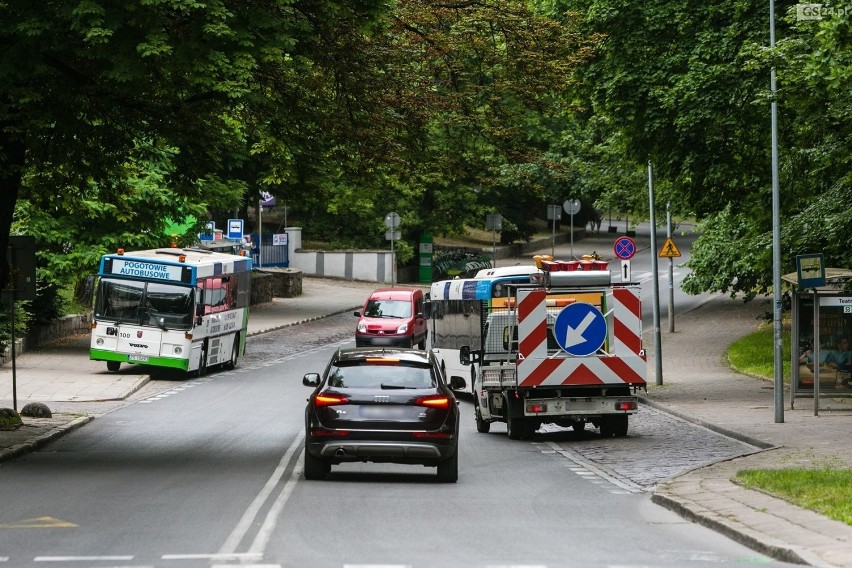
624, 248
580, 329
810, 269
235, 229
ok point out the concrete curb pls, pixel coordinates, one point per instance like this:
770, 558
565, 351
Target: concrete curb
758, 542
306, 320
44, 439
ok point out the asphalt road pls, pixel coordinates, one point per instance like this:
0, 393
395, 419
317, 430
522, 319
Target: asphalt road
207, 472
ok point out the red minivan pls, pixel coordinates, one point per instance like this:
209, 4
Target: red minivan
392, 317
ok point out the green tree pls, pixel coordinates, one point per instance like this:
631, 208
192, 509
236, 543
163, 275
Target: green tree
83, 83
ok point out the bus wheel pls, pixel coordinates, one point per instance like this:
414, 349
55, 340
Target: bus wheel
113, 366
232, 364
202, 363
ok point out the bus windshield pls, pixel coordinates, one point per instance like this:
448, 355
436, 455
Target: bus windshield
152, 304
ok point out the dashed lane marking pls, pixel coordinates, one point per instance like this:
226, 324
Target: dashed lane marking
117, 558
589, 470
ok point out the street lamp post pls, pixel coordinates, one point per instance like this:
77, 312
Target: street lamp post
776, 237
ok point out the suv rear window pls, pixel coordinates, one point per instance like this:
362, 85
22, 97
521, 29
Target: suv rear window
371, 375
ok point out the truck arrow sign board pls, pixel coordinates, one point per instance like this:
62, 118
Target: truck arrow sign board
580, 329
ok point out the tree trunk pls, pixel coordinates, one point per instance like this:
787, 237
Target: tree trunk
11, 168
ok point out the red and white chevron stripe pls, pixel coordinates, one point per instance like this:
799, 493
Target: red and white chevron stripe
624, 364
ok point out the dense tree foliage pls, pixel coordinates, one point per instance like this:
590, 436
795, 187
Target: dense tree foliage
118, 116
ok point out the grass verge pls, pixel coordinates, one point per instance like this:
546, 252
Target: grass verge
826, 490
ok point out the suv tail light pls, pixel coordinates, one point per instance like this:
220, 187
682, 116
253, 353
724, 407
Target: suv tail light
433, 401
321, 400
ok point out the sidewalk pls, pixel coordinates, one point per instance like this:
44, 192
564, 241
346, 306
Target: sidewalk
697, 385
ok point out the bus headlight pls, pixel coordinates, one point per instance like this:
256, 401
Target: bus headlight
99, 341
178, 350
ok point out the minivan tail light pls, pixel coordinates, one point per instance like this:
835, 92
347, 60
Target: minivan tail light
433, 401
321, 400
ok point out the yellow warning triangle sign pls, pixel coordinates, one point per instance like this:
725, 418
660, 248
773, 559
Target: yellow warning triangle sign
38, 523
669, 249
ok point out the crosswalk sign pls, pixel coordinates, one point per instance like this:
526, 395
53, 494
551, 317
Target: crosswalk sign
669, 249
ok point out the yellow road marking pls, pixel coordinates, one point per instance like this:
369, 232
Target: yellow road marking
38, 523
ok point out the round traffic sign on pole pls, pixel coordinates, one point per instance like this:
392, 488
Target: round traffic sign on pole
571, 206
580, 329
624, 248
392, 220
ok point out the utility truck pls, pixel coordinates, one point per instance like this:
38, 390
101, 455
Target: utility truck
566, 351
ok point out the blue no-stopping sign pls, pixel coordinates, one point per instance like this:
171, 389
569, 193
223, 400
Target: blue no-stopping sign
624, 248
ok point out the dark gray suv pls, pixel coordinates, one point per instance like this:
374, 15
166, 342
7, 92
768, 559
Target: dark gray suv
381, 405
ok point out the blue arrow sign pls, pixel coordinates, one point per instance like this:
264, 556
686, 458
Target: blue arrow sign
580, 329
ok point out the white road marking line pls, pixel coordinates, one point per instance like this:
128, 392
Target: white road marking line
216, 556
377, 566
589, 469
265, 531
80, 558
245, 523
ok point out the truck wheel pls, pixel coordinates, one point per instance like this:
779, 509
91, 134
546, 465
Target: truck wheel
113, 366
482, 426
513, 428
607, 427
528, 428
513, 425
619, 425
315, 468
578, 426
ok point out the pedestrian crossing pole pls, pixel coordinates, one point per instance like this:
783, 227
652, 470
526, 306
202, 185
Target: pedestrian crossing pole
671, 267
658, 350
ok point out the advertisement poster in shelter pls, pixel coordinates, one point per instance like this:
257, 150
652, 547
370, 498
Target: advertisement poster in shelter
832, 360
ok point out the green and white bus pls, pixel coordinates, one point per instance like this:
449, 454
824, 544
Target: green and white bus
180, 308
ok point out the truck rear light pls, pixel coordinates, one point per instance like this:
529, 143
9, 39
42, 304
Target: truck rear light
626, 405
321, 400
536, 407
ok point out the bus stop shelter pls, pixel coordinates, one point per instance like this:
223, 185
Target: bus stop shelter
821, 333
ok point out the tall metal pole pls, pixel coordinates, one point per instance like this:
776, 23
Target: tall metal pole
658, 349
259, 233
776, 237
671, 269
553, 232
815, 351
